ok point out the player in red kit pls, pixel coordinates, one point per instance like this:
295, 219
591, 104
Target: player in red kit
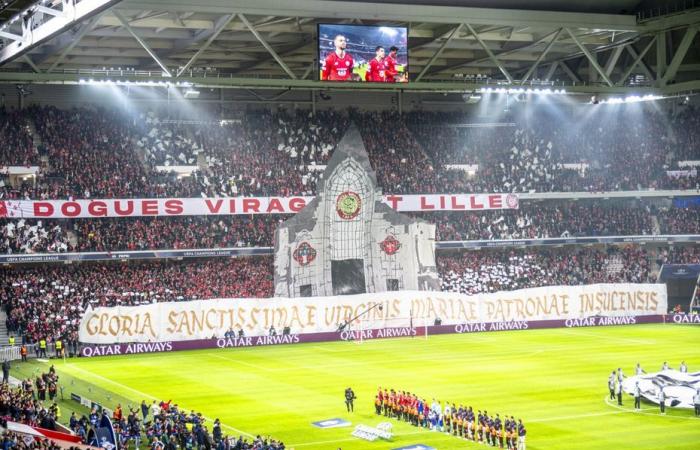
377, 67
390, 64
339, 63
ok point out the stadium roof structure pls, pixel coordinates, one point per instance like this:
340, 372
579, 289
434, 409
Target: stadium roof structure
596, 46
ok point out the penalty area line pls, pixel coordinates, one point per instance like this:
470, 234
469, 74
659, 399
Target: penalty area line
143, 394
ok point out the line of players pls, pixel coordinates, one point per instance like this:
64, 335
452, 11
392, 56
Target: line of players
462, 422
339, 64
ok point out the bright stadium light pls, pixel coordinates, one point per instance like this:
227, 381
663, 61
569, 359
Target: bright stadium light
149, 83
520, 90
629, 99
388, 31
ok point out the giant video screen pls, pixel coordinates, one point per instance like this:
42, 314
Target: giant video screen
362, 53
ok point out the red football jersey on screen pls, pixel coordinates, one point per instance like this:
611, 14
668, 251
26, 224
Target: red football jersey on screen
337, 68
390, 70
376, 71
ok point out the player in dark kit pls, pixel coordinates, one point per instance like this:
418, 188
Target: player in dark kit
339, 64
349, 399
377, 67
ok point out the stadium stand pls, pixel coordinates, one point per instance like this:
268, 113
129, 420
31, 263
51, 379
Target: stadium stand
531, 221
33, 236
509, 269
48, 300
175, 232
16, 144
25, 404
274, 154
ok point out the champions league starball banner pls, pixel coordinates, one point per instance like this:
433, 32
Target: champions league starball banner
174, 207
679, 388
206, 319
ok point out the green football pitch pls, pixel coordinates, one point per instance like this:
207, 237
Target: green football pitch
555, 380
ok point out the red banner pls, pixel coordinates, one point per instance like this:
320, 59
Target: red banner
68, 209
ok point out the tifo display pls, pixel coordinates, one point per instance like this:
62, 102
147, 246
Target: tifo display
224, 225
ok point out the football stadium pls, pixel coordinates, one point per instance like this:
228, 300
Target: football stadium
349, 225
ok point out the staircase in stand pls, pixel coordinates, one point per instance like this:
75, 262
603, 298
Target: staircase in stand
3, 329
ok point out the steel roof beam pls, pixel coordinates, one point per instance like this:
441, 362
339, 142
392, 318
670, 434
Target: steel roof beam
551, 71
65, 78
35, 35
493, 58
660, 55
541, 57
679, 55
405, 13
29, 61
647, 70
438, 52
565, 67
84, 29
612, 61
143, 43
223, 22
637, 60
268, 47
499, 55
590, 57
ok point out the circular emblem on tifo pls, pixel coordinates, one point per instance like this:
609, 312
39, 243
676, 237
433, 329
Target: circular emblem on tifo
348, 205
304, 254
390, 245
512, 201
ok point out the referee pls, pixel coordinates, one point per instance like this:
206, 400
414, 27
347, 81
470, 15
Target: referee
349, 399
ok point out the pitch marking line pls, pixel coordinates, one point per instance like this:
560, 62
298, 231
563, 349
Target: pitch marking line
641, 411
143, 394
608, 338
318, 347
254, 366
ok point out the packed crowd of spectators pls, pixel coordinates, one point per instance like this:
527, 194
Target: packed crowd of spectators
167, 142
15, 441
89, 153
16, 144
33, 236
24, 403
166, 426
532, 221
680, 220
48, 300
679, 255
541, 149
509, 269
147, 233
98, 153
545, 220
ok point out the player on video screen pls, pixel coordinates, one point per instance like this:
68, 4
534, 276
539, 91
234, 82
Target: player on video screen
377, 67
390, 64
339, 63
